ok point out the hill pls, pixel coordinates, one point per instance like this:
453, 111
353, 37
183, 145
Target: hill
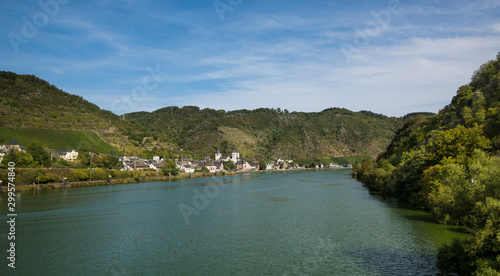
56, 138
449, 164
30, 104
272, 133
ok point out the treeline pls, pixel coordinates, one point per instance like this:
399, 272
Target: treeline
449, 164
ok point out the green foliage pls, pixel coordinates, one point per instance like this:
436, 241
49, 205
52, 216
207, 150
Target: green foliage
21, 158
170, 168
446, 163
269, 133
457, 143
262, 164
229, 165
39, 155
56, 139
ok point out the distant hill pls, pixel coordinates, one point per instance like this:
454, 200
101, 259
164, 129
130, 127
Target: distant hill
30, 104
272, 133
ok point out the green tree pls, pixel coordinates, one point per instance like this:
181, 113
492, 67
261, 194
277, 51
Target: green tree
229, 165
40, 156
170, 168
21, 158
262, 165
458, 143
113, 162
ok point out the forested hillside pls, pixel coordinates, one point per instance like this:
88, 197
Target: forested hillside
450, 165
272, 133
29, 103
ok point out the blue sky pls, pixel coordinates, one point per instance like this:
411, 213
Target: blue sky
391, 57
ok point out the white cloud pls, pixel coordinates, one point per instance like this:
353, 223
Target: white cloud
497, 27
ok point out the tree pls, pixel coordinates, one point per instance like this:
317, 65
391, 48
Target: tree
229, 165
113, 162
458, 143
262, 165
170, 168
9, 157
21, 158
40, 156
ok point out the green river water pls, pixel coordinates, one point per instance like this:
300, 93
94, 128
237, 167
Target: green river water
281, 223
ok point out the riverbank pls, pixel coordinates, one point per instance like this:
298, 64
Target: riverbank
133, 180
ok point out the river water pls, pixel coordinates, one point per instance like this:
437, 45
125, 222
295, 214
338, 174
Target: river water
281, 223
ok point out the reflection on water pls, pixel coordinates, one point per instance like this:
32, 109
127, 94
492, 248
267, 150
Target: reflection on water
286, 223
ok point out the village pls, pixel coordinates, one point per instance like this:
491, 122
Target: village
220, 163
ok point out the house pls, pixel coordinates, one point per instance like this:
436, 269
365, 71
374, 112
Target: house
225, 158
4, 148
210, 166
214, 166
68, 155
243, 166
161, 165
141, 167
219, 166
3, 151
187, 168
157, 159
254, 166
14, 146
333, 166
152, 164
235, 156
134, 163
269, 166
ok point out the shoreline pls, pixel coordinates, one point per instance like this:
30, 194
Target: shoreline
144, 179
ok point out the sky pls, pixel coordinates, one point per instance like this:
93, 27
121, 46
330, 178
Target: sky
391, 57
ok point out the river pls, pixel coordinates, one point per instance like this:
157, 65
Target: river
280, 223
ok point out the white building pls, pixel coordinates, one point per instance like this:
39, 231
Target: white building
218, 155
67, 155
235, 156
187, 168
